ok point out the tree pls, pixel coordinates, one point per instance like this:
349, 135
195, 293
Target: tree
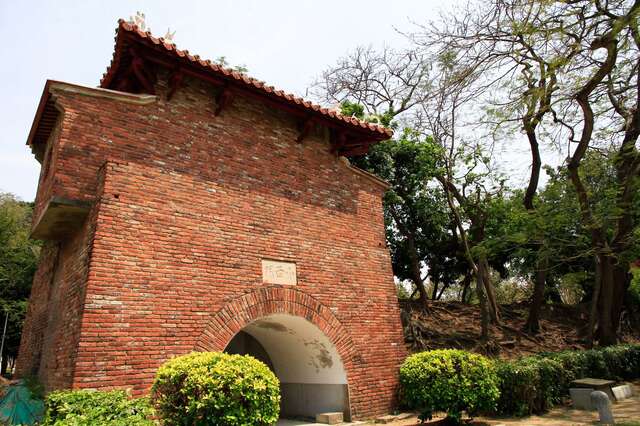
18, 259
417, 223
428, 100
568, 70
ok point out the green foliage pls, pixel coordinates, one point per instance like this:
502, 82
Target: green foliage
35, 387
634, 287
449, 380
556, 224
517, 387
529, 385
222, 61
416, 213
18, 259
212, 388
455, 381
536, 383
87, 408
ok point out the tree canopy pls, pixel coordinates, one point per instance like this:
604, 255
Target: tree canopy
18, 258
560, 78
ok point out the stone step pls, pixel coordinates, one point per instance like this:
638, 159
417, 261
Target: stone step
330, 418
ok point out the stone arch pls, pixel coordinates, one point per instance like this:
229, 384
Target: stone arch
249, 307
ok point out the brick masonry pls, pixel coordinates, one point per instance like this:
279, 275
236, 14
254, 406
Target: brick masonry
184, 205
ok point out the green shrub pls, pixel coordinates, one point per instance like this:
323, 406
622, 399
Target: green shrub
448, 380
574, 364
212, 388
534, 384
517, 384
529, 385
85, 408
623, 361
634, 287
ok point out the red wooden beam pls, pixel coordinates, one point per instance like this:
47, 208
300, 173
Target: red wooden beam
140, 71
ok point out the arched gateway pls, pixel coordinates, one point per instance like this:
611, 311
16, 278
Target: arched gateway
299, 338
184, 206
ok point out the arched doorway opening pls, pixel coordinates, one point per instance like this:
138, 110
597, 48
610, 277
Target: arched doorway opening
312, 375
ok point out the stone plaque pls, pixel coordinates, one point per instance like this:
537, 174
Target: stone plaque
278, 272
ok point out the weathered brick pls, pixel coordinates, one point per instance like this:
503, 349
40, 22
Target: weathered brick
185, 205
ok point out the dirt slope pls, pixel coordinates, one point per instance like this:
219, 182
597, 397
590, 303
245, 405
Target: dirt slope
456, 325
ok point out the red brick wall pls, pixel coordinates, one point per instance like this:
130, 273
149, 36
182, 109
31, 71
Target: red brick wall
191, 203
50, 334
35, 323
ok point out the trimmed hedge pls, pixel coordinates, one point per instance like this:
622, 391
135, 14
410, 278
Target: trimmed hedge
88, 408
456, 381
536, 383
213, 388
448, 380
529, 385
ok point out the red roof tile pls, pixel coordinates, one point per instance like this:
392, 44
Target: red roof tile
375, 132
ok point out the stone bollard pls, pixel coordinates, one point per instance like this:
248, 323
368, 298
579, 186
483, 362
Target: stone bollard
601, 402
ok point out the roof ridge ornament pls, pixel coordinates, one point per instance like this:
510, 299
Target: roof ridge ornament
139, 20
168, 37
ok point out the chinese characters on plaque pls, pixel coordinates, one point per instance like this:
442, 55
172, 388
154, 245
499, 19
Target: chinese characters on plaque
277, 272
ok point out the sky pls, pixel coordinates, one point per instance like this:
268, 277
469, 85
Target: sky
285, 43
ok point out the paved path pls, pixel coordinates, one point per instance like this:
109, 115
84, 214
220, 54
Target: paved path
287, 422
626, 412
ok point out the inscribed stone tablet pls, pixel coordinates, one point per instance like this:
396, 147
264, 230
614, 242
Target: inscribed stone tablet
277, 272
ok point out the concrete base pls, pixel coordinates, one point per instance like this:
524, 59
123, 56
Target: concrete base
622, 392
581, 398
595, 384
309, 399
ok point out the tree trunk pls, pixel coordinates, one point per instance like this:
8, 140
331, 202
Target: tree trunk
441, 292
533, 321
434, 291
3, 366
606, 330
466, 283
484, 311
595, 300
621, 282
492, 303
416, 273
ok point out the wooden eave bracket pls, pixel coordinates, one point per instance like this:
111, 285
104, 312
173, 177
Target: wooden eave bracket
338, 142
223, 100
305, 129
142, 74
175, 82
139, 71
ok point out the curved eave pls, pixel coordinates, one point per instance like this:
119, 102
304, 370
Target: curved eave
360, 134
43, 122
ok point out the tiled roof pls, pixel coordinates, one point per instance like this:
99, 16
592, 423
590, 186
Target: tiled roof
376, 132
